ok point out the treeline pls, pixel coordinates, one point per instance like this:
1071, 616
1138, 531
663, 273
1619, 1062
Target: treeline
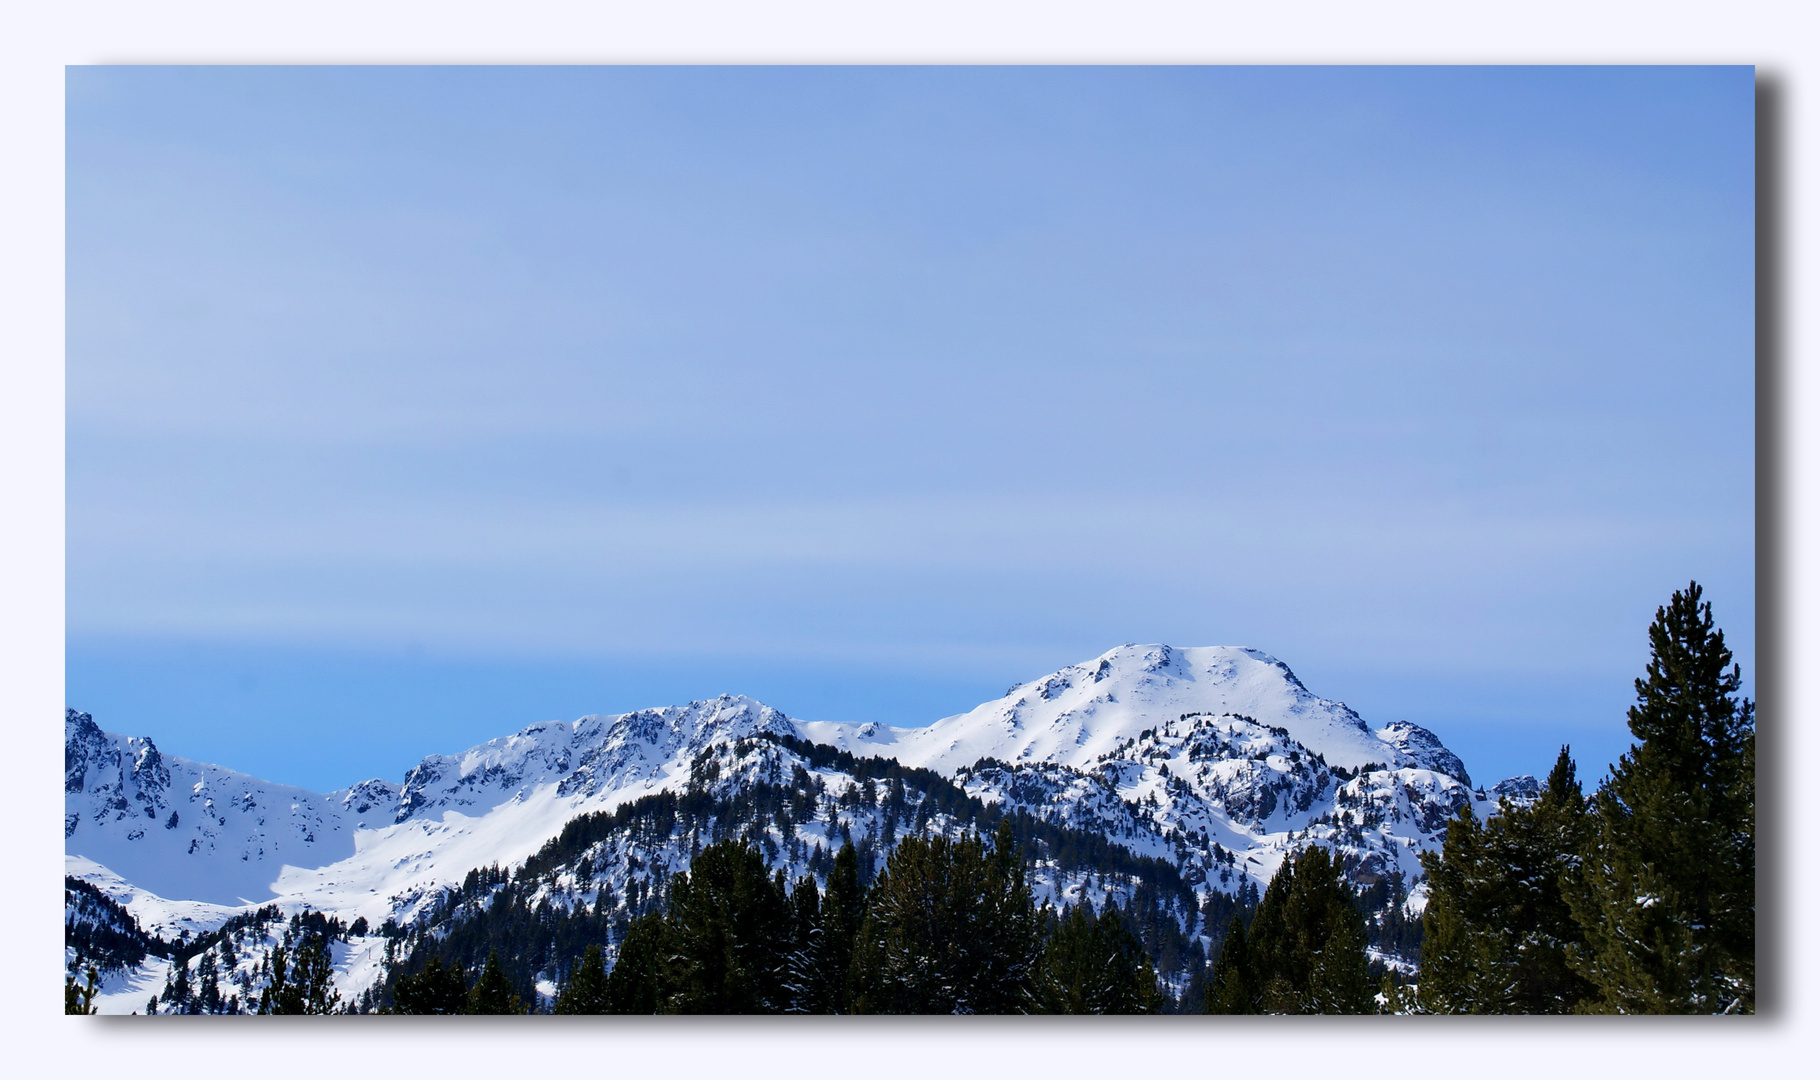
518, 920
101, 933
948, 926
1640, 899
293, 976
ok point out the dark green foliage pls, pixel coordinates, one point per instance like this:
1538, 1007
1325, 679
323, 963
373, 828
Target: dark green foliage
208, 985
806, 990
492, 993
493, 914
950, 928
1498, 926
1387, 926
300, 983
843, 912
525, 920
585, 994
727, 933
101, 932
636, 985
1219, 909
1094, 964
1667, 899
433, 991
79, 1000
1232, 988
1305, 952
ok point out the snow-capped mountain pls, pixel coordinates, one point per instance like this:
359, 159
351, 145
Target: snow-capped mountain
192, 831
1216, 761
1082, 713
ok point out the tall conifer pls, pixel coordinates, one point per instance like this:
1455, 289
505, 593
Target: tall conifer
636, 984
843, 909
1095, 965
585, 994
492, 993
1667, 900
1497, 927
950, 928
728, 932
1232, 988
1306, 947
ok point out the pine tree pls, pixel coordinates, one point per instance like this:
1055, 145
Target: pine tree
1667, 898
1306, 945
208, 985
728, 931
1232, 988
279, 997
804, 984
177, 991
434, 991
636, 984
79, 1000
1095, 965
843, 910
585, 994
302, 983
492, 993
950, 928
1497, 928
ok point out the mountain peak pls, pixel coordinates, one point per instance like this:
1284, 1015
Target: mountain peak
1083, 712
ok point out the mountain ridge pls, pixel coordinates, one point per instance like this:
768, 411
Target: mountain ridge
1147, 745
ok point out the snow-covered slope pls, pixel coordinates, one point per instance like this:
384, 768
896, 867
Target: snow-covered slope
1080, 713
1216, 760
200, 832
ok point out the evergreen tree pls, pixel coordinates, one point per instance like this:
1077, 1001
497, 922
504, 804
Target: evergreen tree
1306, 946
434, 991
1232, 988
950, 928
843, 911
208, 985
1095, 965
177, 989
728, 931
807, 990
1667, 898
279, 997
302, 983
79, 1000
636, 984
585, 994
1497, 927
492, 993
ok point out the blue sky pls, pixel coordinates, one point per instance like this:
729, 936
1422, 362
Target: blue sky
410, 406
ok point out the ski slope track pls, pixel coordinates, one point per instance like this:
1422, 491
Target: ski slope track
1216, 759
